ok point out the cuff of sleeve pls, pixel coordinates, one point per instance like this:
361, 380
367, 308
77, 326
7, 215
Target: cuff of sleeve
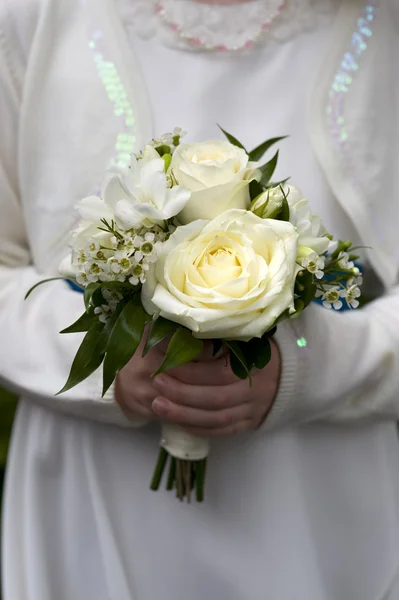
293, 359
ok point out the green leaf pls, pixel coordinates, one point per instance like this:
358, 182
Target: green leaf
123, 341
84, 322
87, 359
163, 149
238, 361
41, 283
183, 348
232, 139
160, 329
255, 189
268, 169
305, 288
237, 367
299, 306
89, 291
273, 184
284, 214
258, 352
167, 158
257, 153
97, 298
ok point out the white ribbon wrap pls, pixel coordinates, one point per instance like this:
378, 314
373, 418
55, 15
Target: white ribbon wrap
183, 445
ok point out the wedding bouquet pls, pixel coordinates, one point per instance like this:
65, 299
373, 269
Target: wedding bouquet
195, 242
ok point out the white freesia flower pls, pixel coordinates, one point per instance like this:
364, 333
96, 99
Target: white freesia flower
218, 175
312, 233
227, 278
142, 196
93, 209
268, 204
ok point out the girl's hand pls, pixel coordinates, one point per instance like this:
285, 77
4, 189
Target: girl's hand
208, 400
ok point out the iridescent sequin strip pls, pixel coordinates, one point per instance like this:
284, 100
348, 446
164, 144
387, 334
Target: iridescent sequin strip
344, 78
125, 143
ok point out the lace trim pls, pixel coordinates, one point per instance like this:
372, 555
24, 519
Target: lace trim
220, 26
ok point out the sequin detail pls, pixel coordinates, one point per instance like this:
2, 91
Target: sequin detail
125, 143
344, 78
302, 342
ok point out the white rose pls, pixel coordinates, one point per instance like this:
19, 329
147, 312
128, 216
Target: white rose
142, 196
229, 278
268, 204
218, 175
312, 233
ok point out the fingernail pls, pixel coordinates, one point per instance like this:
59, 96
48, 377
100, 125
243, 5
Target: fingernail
159, 406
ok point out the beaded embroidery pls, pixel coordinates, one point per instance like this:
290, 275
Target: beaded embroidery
343, 80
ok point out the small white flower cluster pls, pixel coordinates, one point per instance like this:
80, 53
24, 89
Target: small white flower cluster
171, 139
124, 256
332, 298
112, 299
344, 263
314, 264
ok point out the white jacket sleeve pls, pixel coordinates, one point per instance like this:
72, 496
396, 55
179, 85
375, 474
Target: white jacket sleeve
339, 367
34, 358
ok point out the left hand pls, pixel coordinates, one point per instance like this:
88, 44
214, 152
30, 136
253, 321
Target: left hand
208, 400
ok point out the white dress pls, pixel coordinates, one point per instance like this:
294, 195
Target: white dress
80, 521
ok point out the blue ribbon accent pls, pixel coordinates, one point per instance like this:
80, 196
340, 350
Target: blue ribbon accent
74, 286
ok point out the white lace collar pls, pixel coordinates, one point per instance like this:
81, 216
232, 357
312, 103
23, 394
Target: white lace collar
196, 26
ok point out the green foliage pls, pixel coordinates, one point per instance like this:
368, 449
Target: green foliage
88, 358
305, 289
268, 169
124, 340
160, 329
257, 153
88, 293
83, 323
284, 214
238, 361
232, 139
245, 356
167, 158
182, 348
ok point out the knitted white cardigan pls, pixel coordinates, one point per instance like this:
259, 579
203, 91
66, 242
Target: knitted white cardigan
58, 131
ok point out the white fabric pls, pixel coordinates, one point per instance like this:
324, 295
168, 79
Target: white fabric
301, 511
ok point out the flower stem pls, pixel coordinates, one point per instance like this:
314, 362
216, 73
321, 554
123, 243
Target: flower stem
172, 474
159, 469
200, 480
179, 479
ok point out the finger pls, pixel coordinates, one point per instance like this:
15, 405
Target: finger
136, 408
235, 429
217, 372
198, 417
200, 396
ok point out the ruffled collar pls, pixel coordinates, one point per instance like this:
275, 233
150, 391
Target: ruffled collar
197, 26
